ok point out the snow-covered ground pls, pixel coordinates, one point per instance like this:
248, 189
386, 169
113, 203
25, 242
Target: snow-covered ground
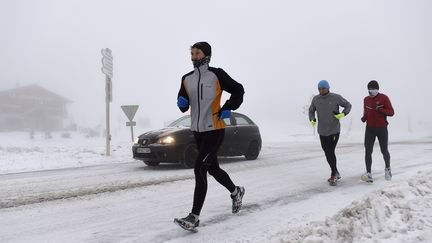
287, 199
19, 153
399, 213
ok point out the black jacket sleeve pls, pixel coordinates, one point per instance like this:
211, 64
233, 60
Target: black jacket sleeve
183, 92
231, 86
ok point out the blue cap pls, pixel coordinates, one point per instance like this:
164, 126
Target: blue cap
323, 84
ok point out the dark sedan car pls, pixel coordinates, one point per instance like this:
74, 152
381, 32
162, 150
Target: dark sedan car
176, 144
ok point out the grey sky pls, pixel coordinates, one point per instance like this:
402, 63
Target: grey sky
279, 50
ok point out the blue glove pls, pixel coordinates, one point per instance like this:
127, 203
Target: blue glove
223, 114
182, 102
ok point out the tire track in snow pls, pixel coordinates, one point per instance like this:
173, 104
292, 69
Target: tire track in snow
118, 186
295, 156
16, 202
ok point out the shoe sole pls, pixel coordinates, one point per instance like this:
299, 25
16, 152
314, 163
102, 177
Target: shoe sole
388, 177
366, 179
387, 174
183, 226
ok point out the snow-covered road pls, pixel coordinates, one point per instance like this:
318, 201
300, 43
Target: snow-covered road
286, 190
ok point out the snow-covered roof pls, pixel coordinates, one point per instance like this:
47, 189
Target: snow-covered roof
34, 91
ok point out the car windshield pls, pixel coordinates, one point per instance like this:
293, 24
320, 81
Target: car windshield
182, 122
186, 122
242, 121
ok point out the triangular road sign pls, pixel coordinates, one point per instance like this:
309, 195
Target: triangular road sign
130, 111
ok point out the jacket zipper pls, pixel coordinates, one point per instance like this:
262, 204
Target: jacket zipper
375, 111
198, 88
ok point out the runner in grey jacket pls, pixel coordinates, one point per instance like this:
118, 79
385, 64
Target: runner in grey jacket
201, 90
327, 105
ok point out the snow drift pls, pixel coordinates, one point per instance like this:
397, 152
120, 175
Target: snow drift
399, 213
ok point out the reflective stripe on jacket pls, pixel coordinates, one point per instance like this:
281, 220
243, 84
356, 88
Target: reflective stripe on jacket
203, 88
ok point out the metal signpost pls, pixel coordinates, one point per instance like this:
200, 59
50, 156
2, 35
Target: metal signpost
107, 69
130, 111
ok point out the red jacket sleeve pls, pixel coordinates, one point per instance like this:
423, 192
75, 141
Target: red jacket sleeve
387, 109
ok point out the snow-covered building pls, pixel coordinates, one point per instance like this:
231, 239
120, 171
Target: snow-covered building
32, 107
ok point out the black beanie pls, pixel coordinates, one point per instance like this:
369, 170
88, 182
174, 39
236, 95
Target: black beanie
204, 47
373, 84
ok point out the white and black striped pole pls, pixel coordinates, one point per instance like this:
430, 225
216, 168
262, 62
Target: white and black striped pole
107, 69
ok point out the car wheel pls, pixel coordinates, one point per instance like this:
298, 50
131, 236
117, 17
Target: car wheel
253, 151
148, 163
189, 156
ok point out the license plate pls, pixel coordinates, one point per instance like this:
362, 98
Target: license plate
143, 150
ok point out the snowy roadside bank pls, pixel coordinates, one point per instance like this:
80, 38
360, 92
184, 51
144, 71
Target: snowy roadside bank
399, 213
18, 153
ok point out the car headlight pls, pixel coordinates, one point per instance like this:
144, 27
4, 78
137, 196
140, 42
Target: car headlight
166, 140
136, 140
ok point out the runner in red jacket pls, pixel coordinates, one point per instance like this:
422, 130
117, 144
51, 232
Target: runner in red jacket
377, 107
